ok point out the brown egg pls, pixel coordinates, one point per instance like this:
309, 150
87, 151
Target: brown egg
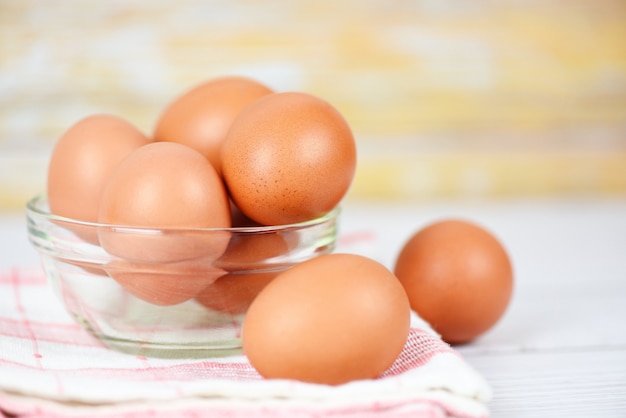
252, 251
329, 320
168, 187
82, 161
164, 284
88, 266
234, 292
288, 157
458, 278
239, 219
201, 117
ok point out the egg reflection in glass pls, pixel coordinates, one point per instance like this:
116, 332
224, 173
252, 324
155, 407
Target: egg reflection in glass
164, 284
234, 292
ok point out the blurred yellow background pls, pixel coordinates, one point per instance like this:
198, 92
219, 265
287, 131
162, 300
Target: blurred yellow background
449, 98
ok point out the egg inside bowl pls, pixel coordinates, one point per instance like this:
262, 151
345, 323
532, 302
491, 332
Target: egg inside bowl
191, 306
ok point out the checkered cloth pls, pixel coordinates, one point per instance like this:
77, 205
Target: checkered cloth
51, 367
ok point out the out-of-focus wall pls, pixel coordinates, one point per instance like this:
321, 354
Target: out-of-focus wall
446, 97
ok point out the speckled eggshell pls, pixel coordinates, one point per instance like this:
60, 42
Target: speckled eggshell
288, 157
329, 320
458, 277
201, 117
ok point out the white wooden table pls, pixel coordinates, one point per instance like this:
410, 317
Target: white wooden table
560, 349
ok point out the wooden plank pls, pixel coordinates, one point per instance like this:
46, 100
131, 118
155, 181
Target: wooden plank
585, 383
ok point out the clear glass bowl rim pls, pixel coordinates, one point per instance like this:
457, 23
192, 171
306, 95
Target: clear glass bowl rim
34, 206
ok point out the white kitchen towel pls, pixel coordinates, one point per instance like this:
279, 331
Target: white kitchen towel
51, 367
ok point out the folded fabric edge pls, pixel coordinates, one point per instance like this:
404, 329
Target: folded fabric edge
430, 404
443, 371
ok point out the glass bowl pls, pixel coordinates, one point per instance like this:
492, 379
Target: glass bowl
167, 292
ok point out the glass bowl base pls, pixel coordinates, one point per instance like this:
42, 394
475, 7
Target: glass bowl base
197, 350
